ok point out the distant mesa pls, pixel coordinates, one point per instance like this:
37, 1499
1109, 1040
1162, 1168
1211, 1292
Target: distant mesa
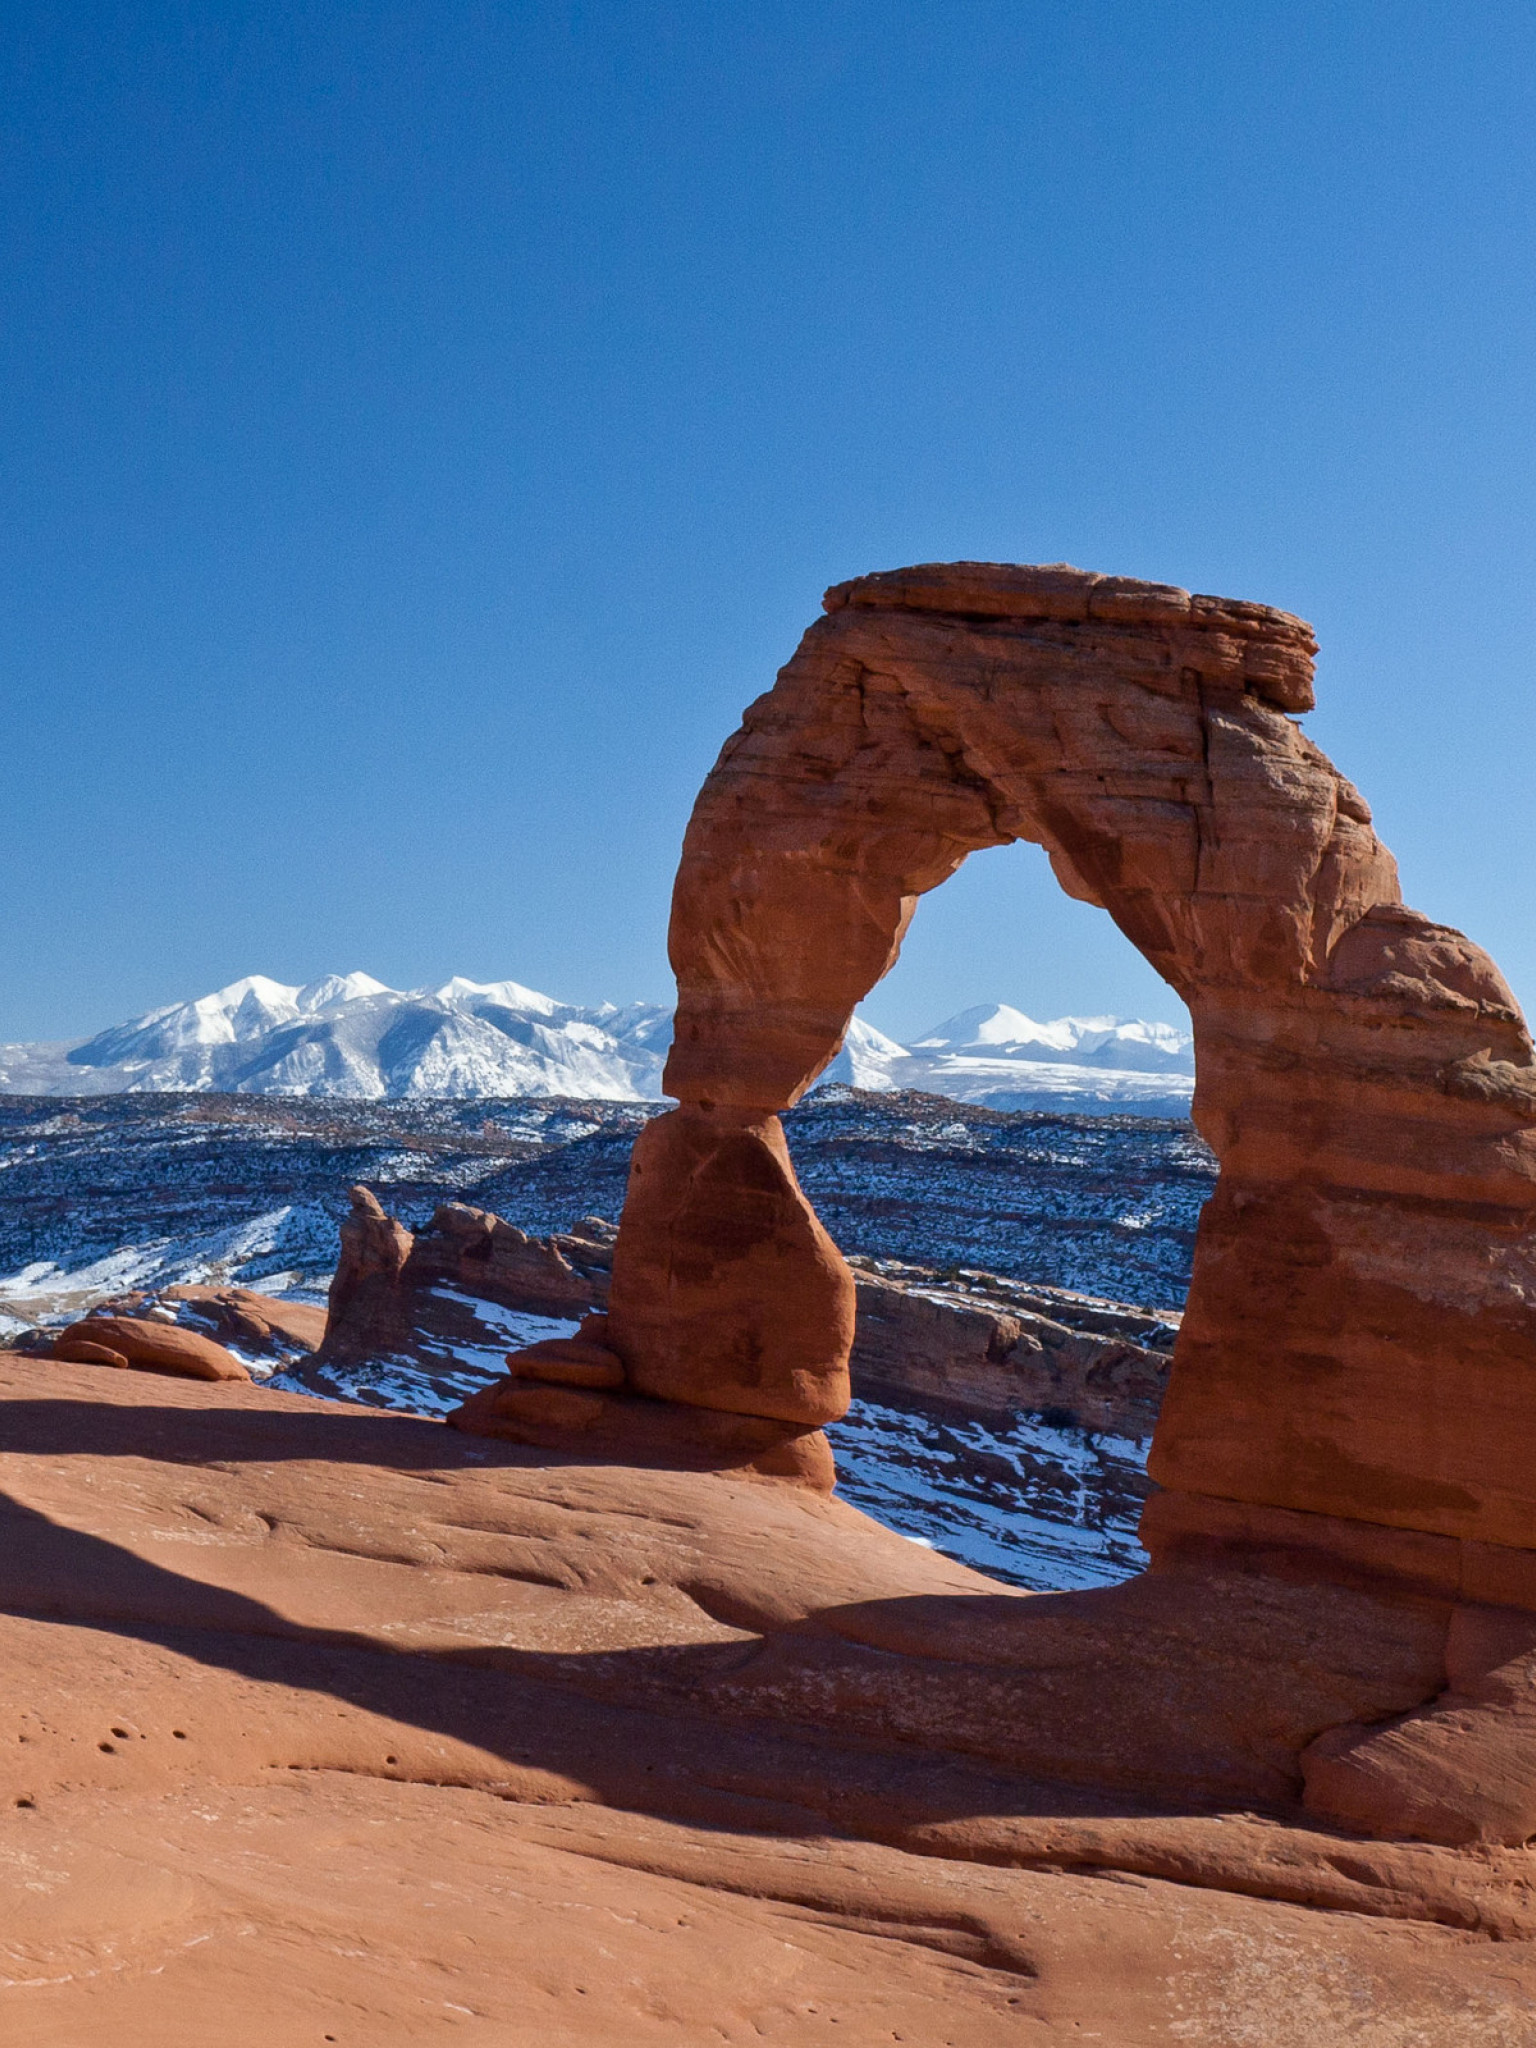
350, 1035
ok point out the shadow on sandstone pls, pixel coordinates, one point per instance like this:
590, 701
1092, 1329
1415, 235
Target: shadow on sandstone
363, 1436
619, 1735
1174, 1692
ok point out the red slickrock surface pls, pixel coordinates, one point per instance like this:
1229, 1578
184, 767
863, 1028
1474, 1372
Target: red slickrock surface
319, 1723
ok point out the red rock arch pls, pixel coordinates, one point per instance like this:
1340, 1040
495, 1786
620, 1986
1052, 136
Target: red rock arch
1359, 1354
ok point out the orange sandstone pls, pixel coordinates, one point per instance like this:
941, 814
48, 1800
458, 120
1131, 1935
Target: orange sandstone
1361, 1332
148, 1346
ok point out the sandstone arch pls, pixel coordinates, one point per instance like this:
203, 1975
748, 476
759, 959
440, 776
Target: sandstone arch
1357, 1371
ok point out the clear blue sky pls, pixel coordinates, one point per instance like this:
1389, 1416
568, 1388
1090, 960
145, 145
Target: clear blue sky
426, 426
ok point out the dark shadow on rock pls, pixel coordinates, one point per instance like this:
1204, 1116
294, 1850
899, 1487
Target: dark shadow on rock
632, 1728
205, 1435
1169, 1693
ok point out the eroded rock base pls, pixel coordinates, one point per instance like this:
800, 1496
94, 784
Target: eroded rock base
585, 1422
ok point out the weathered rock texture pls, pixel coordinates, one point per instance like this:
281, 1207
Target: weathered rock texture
387, 1277
727, 1293
1360, 1337
989, 1346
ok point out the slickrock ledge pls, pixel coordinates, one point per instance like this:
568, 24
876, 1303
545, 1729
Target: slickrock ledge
323, 1723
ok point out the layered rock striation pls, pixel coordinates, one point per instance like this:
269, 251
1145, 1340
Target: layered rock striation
987, 1346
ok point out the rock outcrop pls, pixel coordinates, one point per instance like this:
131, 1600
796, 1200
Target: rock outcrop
263, 1323
1353, 1394
992, 1347
147, 1345
389, 1283
365, 1294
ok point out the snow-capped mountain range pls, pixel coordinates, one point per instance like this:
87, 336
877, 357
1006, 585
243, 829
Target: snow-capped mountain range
349, 1035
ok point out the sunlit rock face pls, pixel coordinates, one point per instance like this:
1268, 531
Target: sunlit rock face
1359, 1341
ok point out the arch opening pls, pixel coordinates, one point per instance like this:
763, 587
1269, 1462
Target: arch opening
1011, 995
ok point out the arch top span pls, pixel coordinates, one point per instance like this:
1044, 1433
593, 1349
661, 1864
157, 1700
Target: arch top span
1360, 1342
1142, 735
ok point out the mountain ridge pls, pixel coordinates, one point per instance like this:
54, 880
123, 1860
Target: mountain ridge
350, 1035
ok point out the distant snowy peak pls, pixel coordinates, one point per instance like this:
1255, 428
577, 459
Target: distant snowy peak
869, 1060
236, 1015
995, 1054
316, 996
997, 1031
350, 1035
506, 995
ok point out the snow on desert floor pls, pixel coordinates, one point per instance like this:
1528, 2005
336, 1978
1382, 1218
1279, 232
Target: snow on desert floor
119, 1192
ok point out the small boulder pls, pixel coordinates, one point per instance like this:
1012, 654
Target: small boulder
75, 1350
152, 1347
567, 1362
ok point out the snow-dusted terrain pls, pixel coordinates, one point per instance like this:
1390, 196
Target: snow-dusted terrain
350, 1036
143, 1192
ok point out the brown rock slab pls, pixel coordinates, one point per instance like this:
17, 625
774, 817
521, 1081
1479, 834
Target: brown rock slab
997, 1354
562, 1275
568, 1362
77, 1350
557, 1408
151, 1346
260, 1322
